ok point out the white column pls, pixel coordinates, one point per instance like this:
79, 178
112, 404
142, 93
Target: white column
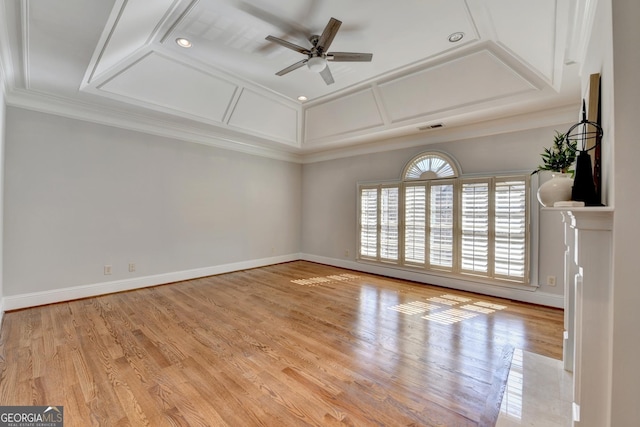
589, 274
569, 292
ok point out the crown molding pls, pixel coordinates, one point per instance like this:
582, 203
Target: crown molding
544, 118
90, 112
7, 70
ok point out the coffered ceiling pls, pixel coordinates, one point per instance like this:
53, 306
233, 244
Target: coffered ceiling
117, 62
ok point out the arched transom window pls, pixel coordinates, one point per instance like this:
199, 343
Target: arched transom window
430, 165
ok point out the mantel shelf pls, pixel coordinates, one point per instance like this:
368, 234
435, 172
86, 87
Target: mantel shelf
587, 218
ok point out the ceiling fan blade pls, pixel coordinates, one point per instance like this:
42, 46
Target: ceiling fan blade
288, 45
328, 34
349, 57
326, 75
290, 68
288, 27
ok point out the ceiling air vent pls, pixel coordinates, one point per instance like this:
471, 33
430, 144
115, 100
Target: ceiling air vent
436, 126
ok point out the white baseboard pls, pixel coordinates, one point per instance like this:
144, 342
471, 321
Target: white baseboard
529, 294
15, 302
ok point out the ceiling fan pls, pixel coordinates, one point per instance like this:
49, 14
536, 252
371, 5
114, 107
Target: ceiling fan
318, 55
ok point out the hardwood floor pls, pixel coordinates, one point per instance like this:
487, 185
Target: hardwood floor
264, 347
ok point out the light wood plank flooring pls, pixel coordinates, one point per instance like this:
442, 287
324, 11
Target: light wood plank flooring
292, 344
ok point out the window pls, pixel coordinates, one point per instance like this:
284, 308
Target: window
379, 223
436, 220
510, 237
369, 222
441, 225
430, 166
389, 223
415, 228
474, 233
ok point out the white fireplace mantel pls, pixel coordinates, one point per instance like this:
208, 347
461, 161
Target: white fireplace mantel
588, 311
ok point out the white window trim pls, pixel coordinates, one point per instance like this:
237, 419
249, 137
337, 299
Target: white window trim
530, 267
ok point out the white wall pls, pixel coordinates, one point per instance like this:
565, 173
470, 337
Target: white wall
2, 144
80, 195
613, 52
330, 196
625, 399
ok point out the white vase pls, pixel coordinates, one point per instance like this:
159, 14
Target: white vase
557, 189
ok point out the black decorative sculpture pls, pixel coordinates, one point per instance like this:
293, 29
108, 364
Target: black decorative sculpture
584, 188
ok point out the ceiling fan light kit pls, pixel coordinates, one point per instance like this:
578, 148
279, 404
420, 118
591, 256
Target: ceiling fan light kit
318, 55
316, 63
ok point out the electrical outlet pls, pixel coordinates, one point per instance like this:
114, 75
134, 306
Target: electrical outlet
551, 280
107, 270
346, 253
132, 267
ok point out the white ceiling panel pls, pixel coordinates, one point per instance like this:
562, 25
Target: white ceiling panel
133, 23
347, 114
54, 58
267, 117
532, 39
471, 79
231, 34
170, 85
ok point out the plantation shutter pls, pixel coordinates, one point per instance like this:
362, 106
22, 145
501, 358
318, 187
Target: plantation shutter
415, 205
389, 223
441, 225
475, 227
511, 229
369, 222
434, 220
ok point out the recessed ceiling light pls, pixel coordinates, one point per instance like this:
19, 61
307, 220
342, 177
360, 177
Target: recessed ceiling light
456, 37
182, 42
302, 98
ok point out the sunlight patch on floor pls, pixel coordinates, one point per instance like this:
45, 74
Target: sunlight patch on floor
414, 307
445, 301
456, 298
478, 309
449, 315
314, 281
490, 305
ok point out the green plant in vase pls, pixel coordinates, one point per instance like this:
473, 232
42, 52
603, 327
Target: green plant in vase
560, 156
558, 159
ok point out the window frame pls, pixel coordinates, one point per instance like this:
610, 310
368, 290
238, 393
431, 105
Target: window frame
378, 187
522, 221
527, 225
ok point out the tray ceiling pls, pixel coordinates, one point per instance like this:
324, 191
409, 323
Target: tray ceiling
117, 61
